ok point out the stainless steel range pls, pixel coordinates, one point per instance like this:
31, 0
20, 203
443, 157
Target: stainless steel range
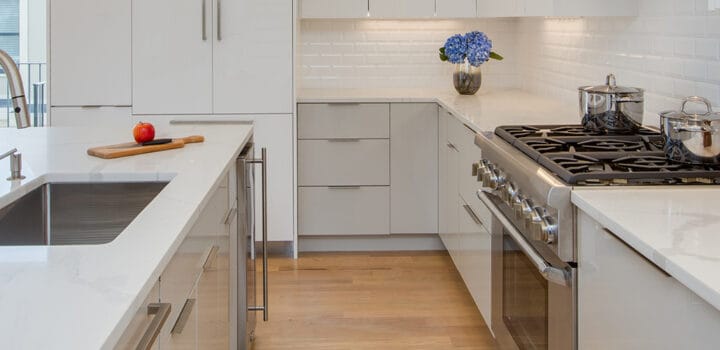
526, 176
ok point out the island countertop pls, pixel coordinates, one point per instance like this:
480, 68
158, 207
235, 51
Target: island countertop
83, 297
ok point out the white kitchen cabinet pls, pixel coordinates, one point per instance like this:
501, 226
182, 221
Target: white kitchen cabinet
89, 54
333, 8
473, 255
558, 8
204, 57
171, 59
448, 183
337, 211
401, 8
414, 168
343, 121
252, 56
455, 8
627, 302
119, 117
339, 162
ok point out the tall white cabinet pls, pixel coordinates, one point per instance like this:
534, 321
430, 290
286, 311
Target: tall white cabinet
212, 56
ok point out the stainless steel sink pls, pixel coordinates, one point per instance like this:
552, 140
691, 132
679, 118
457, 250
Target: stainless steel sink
74, 213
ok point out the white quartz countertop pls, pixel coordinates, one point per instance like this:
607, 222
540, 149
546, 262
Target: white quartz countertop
677, 228
82, 297
483, 111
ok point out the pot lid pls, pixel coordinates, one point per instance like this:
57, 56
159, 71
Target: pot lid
704, 113
611, 87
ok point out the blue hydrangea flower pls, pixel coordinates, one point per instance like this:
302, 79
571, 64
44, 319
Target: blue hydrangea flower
456, 48
478, 48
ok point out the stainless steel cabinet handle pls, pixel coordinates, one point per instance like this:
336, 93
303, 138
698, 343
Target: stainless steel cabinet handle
551, 273
344, 187
161, 312
204, 31
344, 140
264, 161
451, 146
210, 257
219, 35
472, 214
230, 216
182, 319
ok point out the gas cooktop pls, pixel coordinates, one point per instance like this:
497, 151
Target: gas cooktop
581, 157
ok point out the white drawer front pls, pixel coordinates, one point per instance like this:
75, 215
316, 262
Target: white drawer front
339, 120
343, 163
324, 211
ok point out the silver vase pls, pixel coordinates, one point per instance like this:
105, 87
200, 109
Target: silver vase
467, 78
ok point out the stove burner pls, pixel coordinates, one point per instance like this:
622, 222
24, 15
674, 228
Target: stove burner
612, 145
646, 163
572, 130
579, 163
523, 131
544, 145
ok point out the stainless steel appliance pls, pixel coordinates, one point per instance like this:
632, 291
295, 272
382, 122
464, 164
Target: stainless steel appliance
247, 303
526, 177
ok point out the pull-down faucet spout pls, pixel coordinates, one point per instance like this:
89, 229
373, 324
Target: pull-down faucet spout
17, 92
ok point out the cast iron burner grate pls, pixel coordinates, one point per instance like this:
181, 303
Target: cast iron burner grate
580, 157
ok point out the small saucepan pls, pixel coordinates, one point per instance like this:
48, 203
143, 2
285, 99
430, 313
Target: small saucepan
692, 138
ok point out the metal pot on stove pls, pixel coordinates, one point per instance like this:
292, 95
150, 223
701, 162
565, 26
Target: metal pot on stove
692, 137
610, 108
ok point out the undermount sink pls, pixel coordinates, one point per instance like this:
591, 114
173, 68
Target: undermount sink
74, 213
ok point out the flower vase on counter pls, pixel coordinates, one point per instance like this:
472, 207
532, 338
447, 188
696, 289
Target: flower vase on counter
467, 78
468, 52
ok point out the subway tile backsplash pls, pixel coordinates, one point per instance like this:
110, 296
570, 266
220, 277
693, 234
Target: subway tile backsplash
396, 54
672, 49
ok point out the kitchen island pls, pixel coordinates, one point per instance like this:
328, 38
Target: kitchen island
84, 296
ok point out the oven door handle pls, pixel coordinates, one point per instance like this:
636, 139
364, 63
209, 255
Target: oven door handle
551, 273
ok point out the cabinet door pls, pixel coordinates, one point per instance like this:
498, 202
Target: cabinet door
213, 293
474, 257
140, 322
90, 52
184, 329
623, 294
172, 56
333, 8
119, 117
402, 8
449, 177
413, 168
455, 8
252, 56
505, 8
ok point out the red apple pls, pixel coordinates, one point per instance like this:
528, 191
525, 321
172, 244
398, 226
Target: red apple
143, 132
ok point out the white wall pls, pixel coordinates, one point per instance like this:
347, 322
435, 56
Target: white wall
671, 49
386, 54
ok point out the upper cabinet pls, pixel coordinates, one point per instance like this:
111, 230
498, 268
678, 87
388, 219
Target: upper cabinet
207, 56
401, 8
90, 52
418, 9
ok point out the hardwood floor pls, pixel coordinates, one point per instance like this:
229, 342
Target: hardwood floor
370, 301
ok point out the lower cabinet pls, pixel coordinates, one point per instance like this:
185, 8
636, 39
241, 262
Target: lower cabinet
627, 302
351, 210
191, 299
473, 258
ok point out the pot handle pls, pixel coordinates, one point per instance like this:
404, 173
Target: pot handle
610, 80
696, 99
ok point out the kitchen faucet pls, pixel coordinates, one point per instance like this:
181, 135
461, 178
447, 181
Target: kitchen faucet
22, 117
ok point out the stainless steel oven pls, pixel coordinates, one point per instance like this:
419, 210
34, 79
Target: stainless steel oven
533, 293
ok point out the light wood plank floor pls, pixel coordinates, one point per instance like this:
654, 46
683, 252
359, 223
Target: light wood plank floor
370, 301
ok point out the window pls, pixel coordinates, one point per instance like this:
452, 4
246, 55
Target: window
10, 27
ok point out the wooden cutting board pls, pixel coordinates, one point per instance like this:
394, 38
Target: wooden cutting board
132, 148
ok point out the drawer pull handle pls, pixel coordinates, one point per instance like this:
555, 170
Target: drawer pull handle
161, 312
210, 257
344, 140
230, 216
344, 187
472, 214
184, 316
340, 104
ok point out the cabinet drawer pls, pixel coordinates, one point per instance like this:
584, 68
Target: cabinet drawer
343, 163
140, 322
343, 211
338, 120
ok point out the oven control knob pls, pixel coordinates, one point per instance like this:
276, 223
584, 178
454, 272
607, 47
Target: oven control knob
484, 173
525, 209
517, 203
481, 169
509, 192
548, 230
533, 221
494, 178
475, 168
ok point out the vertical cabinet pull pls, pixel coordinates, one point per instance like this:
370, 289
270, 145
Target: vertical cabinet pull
161, 312
263, 161
184, 316
210, 257
204, 31
219, 35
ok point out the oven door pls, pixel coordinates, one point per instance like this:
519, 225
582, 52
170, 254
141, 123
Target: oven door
533, 291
